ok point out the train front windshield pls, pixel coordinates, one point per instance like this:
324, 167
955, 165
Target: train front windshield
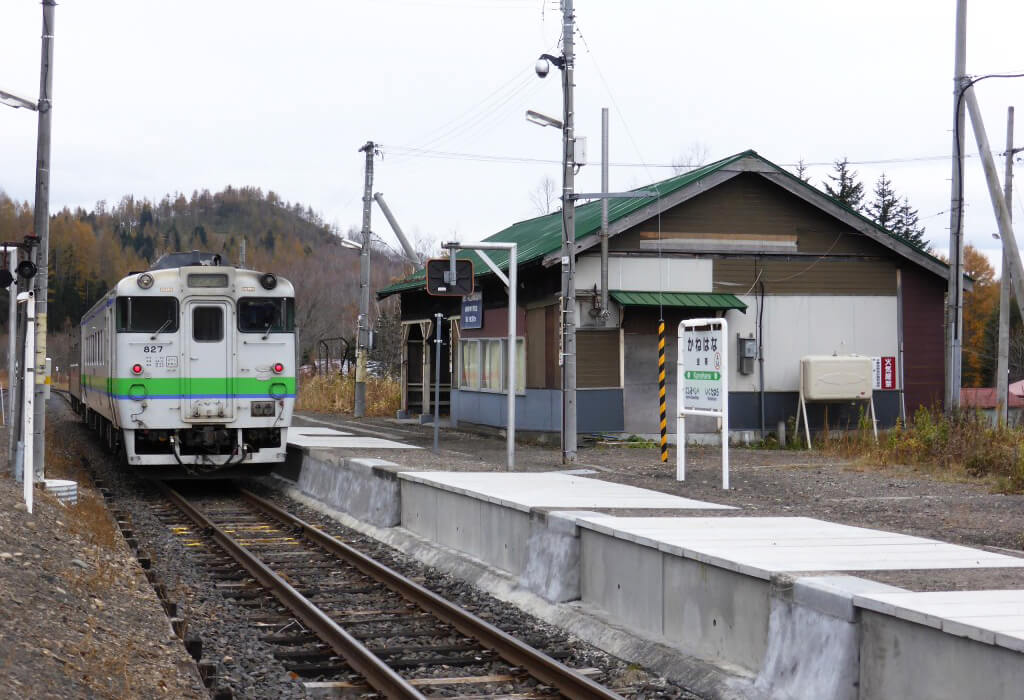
147, 314
260, 314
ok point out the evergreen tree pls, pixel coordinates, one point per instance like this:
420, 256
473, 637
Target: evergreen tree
908, 227
883, 208
846, 188
801, 171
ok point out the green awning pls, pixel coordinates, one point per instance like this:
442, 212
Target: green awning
692, 300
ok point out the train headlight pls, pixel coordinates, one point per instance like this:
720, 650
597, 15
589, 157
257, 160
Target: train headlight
145, 280
278, 368
268, 280
136, 368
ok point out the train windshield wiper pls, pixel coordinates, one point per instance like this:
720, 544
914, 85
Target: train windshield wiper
160, 329
275, 314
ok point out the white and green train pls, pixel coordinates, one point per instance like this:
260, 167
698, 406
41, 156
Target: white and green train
191, 364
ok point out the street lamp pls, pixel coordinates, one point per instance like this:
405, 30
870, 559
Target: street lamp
542, 119
565, 64
15, 101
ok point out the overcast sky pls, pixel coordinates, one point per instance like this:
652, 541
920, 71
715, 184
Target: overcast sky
153, 98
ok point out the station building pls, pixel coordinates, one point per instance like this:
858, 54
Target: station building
793, 271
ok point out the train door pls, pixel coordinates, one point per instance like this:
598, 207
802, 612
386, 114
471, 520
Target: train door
209, 361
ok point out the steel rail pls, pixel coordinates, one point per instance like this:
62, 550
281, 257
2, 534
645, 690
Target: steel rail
539, 665
377, 673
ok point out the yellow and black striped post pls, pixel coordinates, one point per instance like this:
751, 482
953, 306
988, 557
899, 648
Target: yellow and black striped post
661, 389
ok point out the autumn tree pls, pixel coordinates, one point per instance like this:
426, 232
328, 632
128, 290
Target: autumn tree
844, 186
544, 196
695, 156
979, 304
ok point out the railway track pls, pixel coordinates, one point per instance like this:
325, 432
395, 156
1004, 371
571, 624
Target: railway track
349, 624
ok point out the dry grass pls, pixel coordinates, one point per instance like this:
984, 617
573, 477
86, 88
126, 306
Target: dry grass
964, 444
336, 394
89, 518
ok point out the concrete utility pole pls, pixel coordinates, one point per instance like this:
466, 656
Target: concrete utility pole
568, 242
955, 290
42, 230
1003, 361
363, 323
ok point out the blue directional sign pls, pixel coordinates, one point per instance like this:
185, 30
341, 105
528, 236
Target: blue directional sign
472, 311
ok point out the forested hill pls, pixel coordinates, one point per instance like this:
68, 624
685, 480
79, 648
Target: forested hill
90, 250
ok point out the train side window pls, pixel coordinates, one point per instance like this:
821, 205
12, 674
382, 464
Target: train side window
147, 314
258, 315
208, 324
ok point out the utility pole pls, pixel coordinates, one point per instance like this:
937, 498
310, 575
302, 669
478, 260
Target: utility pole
1003, 361
604, 217
363, 323
42, 230
568, 243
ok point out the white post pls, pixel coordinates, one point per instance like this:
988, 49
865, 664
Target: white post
510, 432
510, 281
680, 416
28, 463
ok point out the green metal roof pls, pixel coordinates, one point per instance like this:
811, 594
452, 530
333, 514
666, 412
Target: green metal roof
543, 235
692, 300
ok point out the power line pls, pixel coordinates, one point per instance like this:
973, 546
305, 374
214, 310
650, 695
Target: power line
419, 152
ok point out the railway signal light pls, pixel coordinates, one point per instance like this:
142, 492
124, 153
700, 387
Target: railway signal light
440, 281
6, 278
26, 269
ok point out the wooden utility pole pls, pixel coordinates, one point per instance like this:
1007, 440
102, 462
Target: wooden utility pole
363, 323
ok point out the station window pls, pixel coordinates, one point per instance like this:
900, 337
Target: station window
482, 364
259, 315
147, 314
208, 324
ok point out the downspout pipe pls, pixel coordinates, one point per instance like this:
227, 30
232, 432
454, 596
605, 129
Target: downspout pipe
760, 354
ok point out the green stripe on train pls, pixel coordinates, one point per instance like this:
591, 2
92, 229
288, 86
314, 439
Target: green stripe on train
198, 385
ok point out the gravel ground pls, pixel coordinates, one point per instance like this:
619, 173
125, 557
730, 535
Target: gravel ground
763, 483
244, 665
78, 618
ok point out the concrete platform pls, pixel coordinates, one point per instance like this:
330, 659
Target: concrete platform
762, 547
310, 437
957, 644
762, 597
990, 617
525, 491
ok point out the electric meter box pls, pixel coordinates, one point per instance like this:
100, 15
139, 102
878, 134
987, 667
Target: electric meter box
836, 377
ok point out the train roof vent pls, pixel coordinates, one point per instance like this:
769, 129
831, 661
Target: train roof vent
172, 260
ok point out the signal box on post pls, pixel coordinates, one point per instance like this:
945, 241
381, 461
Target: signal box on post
440, 283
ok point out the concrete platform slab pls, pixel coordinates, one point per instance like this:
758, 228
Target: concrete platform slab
329, 438
990, 617
525, 491
762, 547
